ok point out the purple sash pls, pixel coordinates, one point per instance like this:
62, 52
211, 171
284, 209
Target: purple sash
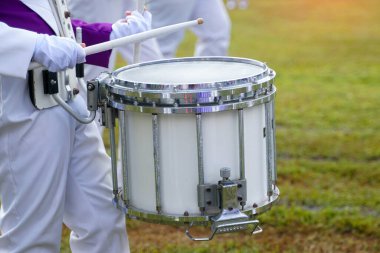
16, 14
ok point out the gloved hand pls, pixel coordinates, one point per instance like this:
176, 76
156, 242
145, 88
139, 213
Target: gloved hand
133, 23
57, 53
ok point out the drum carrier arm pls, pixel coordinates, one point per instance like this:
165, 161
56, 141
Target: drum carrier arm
92, 91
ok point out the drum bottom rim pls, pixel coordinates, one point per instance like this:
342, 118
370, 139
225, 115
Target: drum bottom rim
152, 217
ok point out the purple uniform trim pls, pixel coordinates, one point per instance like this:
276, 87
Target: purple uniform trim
16, 14
95, 33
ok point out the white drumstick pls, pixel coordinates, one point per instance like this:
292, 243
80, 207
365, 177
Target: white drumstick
136, 49
108, 45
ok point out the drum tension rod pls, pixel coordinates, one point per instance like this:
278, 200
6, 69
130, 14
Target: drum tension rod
156, 156
269, 153
124, 155
110, 124
201, 205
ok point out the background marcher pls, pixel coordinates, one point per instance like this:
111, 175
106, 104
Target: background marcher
213, 37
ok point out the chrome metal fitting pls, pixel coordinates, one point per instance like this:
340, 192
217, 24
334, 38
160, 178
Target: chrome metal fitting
225, 173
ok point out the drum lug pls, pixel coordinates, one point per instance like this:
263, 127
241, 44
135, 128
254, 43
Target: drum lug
212, 196
208, 199
92, 95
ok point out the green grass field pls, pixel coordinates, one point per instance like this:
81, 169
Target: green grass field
327, 58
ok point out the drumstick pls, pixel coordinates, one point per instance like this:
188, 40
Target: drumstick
136, 49
108, 45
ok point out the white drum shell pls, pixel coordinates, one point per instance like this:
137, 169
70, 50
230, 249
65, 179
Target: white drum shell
178, 157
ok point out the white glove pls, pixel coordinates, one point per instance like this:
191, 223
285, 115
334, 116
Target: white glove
133, 23
57, 53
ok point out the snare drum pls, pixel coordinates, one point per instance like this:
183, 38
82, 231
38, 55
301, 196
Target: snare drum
197, 141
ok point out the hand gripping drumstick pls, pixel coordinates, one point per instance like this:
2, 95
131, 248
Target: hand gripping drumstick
101, 47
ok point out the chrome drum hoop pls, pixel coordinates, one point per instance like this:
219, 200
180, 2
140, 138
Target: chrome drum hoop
252, 212
119, 103
266, 72
251, 86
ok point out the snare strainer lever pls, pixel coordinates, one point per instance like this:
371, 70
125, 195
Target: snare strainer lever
230, 226
229, 194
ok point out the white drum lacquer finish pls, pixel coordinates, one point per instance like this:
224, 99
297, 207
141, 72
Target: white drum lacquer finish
178, 157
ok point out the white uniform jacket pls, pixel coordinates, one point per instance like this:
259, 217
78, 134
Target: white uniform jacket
52, 168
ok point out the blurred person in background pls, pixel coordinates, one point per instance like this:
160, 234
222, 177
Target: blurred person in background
213, 36
232, 4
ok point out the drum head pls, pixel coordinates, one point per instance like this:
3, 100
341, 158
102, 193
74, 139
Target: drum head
191, 71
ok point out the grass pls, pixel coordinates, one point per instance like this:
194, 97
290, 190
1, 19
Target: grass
327, 58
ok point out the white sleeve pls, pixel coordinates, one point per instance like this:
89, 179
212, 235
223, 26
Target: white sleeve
16, 50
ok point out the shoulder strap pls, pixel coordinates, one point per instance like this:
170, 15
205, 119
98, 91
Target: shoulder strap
62, 17
66, 80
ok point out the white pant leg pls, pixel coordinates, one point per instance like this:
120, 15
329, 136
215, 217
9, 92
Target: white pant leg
97, 225
35, 155
53, 169
168, 12
214, 34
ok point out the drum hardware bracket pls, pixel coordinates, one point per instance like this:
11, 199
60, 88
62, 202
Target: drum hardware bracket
100, 95
228, 221
68, 109
92, 95
50, 81
209, 199
225, 198
117, 200
226, 194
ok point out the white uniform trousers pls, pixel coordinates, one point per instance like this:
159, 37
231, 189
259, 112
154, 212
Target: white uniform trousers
53, 168
213, 35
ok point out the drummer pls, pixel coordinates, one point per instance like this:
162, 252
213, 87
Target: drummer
52, 169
